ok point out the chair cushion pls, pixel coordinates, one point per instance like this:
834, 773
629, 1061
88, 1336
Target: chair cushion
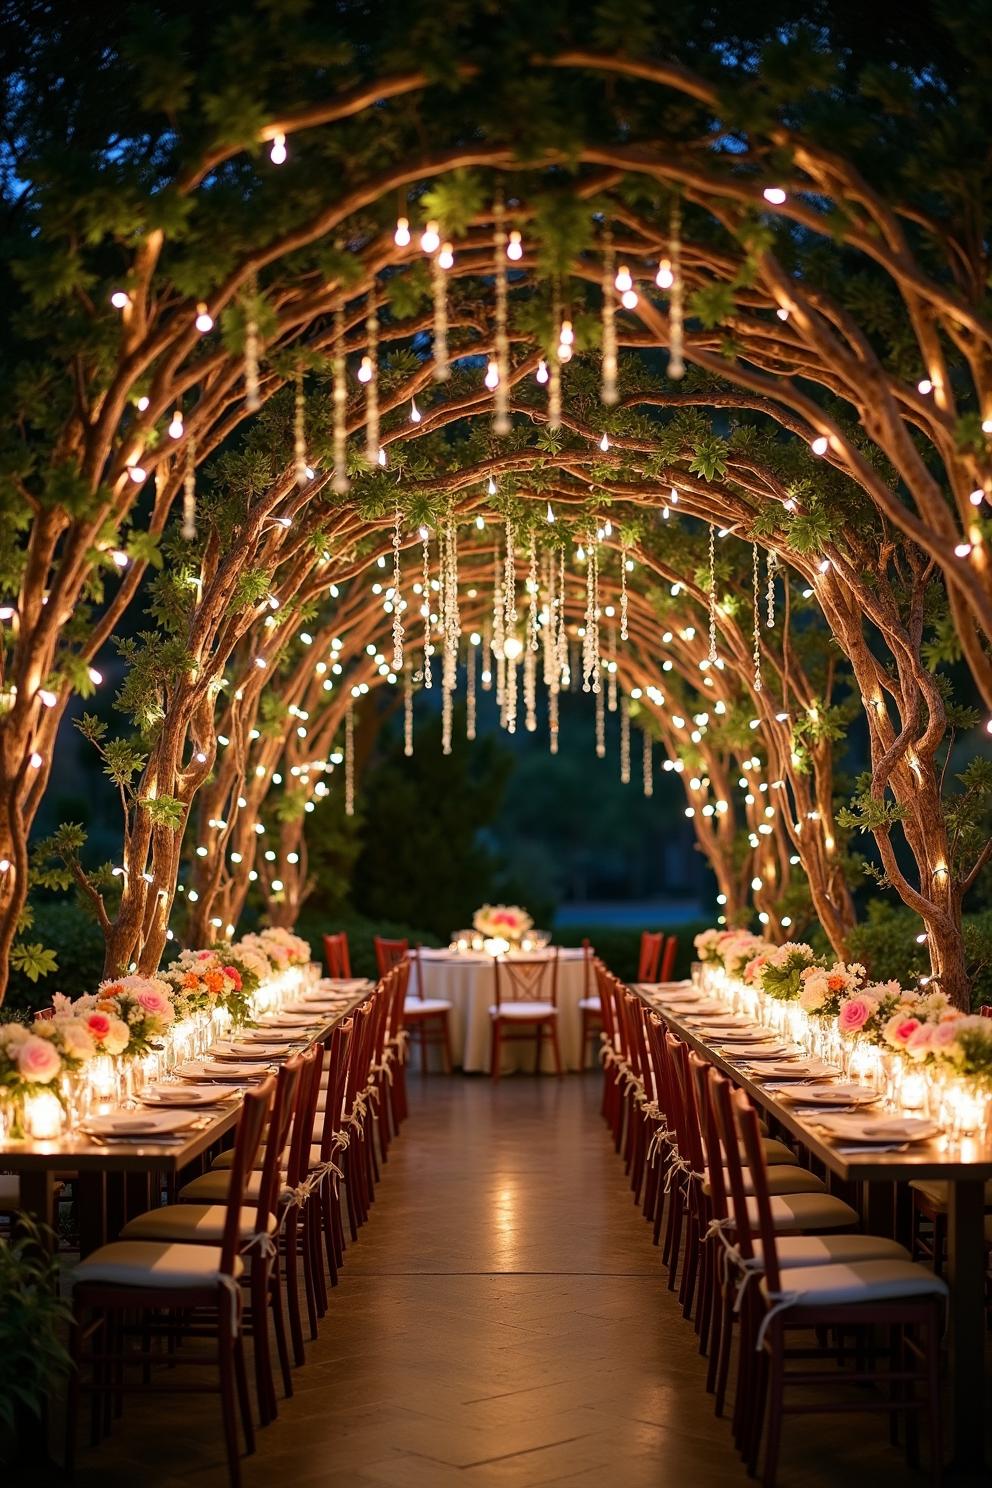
859, 1281
934, 1190
212, 1187
805, 1211
776, 1151
426, 1007
10, 1192
590, 1004
783, 1178
826, 1250
192, 1224
524, 1010
150, 1263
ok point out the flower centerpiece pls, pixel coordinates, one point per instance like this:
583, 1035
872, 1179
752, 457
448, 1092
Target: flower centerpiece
502, 922
35, 1061
204, 980
822, 989
781, 973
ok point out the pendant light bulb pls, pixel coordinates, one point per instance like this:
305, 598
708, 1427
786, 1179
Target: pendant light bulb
542, 371
204, 320
176, 427
515, 248
415, 413
492, 376
664, 277
401, 237
446, 257
365, 370
430, 238
278, 152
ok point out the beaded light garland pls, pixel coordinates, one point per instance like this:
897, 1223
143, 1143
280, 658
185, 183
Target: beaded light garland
756, 614
501, 344
553, 724
189, 492
712, 596
408, 710
499, 630
562, 635
533, 589
772, 568
349, 761
647, 765
450, 625
252, 399
470, 699
339, 400
510, 580
612, 675
554, 369
624, 607
299, 430
624, 741
371, 364
510, 696
425, 608
487, 651
530, 691
608, 383
439, 294
600, 721
397, 600
676, 336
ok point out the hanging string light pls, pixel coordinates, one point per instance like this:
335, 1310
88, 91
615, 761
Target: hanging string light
772, 568
487, 651
600, 722
510, 686
712, 597
553, 725
451, 626
369, 374
608, 383
425, 608
408, 711
533, 589
562, 635
299, 430
501, 344
554, 366
397, 601
470, 704
189, 492
623, 591
510, 580
530, 691
498, 640
339, 398
612, 674
624, 741
756, 614
349, 761
676, 303
252, 400
439, 294
647, 764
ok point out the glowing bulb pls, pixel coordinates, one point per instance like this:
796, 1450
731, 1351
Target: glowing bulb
143, 404
664, 277
550, 513
120, 299
492, 375
204, 320
976, 498
415, 413
365, 370
623, 281
382, 458
430, 239
278, 152
480, 522
176, 427
446, 257
512, 648
137, 474
491, 487
46, 698
401, 236
820, 445
36, 761
514, 248
95, 677
774, 194
924, 386
629, 299
542, 371
962, 550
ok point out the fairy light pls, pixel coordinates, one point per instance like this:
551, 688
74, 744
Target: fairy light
676, 359
820, 445
608, 373
204, 320
120, 299
612, 688
554, 373
712, 654
189, 494
401, 237
370, 369
530, 690
924, 386
397, 661
771, 565
176, 426
137, 473
475, 640
647, 765
278, 152
624, 606
339, 401
542, 374
498, 636
756, 615
515, 247
446, 257
775, 195
415, 413
299, 429
439, 294
408, 711
349, 761
425, 608
664, 277
497, 377
600, 722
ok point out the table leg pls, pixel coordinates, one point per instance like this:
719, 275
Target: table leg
966, 1276
37, 1198
878, 1208
91, 1211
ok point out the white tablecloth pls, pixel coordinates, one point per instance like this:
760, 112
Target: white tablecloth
467, 981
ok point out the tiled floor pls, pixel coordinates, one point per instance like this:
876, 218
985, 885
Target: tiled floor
501, 1323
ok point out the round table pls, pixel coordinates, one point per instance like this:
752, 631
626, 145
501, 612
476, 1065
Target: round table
467, 980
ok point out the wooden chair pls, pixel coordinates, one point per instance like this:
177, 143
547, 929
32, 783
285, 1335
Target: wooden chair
388, 953
650, 955
162, 1282
589, 1004
667, 968
337, 956
527, 1001
428, 1019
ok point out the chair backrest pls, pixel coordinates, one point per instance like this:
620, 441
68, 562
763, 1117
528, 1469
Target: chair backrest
389, 952
607, 1016
394, 989
985, 1010
337, 955
668, 959
336, 1066
750, 1134
700, 1069
305, 1110
247, 1139
723, 1097
588, 957
274, 1152
359, 1054
527, 978
647, 964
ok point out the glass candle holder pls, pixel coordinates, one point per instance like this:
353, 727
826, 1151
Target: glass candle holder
44, 1117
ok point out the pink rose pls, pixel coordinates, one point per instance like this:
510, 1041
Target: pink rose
154, 1002
98, 1025
38, 1061
944, 1034
904, 1029
854, 1014
921, 1041
232, 973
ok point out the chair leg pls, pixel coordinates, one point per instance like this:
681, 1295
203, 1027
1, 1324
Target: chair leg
446, 1043
72, 1395
279, 1319
774, 1416
423, 1046
265, 1389
293, 1290
244, 1399
227, 1401
555, 1049
494, 1050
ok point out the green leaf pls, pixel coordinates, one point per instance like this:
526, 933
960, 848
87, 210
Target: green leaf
34, 960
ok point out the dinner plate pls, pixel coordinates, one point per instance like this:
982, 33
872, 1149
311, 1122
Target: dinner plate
753, 1051
270, 1036
288, 1019
840, 1094
183, 1095
798, 1071
205, 1069
255, 1053
138, 1123
878, 1128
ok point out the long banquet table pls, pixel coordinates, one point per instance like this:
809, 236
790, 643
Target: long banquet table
466, 979
100, 1213
965, 1164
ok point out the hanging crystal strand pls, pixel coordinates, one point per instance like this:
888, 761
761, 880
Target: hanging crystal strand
756, 599
533, 589
712, 596
299, 430
588, 664
439, 292
595, 651
339, 398
349, 761
252, 400
561, 647
608, 385
623, 591
501, 392
189, 492
676, 347
553, 728
530, 691
600, 723
548, 631
408, 710
624, 741
470, 689
612, 675
397, 662
554, 366
487, 651
647, 764
425, 608
772, 565
510, 695
498, 640
370, 376
570, 677
510, 581
451, 625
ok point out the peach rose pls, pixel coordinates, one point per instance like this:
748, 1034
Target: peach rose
118, 1036
233, 975
38, 1061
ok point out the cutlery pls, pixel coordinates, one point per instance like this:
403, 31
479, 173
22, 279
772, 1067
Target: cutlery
869, 1149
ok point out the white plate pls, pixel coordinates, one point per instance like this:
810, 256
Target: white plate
832, 1095
183, 1095
288, 1019
270, 1036
138, 1123
800, 1070
255, 1053
752, 1050
204, 1069
878, 1128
